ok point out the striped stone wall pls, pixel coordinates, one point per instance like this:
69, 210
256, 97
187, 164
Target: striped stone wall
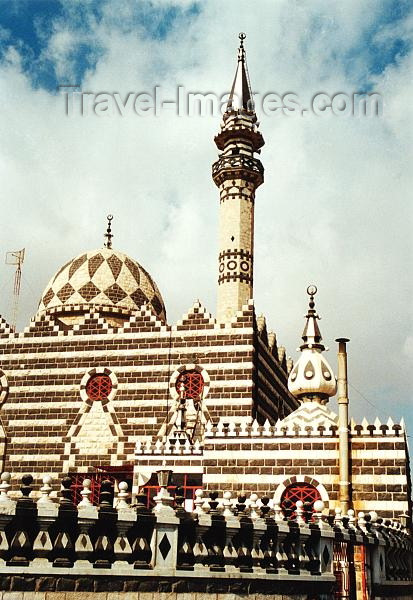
49, 427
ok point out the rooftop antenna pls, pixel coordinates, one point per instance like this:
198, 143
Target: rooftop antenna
16, 258
109, 235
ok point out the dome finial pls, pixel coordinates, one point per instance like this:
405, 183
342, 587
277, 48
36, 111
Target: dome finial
312, 378
109, 235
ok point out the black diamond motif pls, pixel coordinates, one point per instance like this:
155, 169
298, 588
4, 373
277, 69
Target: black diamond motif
48, 297
65, 293
89, 291
164, 546
115, 293
122, 544
115, 265
76, 264
139, 297
94, 263
326, 555
134, 269
156, 303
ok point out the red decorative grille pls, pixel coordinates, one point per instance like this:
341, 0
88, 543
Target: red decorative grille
114, 474
305, 492
193, 382
99, 387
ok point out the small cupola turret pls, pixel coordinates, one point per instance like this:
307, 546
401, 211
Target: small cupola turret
312, 378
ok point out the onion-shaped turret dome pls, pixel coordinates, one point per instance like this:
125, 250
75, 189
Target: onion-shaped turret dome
312, 377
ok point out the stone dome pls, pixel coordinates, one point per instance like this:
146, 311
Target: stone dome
102, 278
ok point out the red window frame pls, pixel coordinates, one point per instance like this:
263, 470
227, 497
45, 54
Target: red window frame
98, 387
193, 382
189, 483
303, 491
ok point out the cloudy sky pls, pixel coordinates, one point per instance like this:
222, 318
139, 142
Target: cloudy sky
334, 210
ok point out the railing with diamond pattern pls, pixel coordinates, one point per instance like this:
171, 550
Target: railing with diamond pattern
225, 537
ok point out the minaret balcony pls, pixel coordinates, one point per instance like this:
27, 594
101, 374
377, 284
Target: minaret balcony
238, 166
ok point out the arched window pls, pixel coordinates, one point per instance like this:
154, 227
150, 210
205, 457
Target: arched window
305, 492
99, 387
193, 382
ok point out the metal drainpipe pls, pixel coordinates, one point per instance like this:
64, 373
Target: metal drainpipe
342, 390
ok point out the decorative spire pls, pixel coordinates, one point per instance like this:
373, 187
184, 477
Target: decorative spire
312, 378
311, 333
109, 235
241, 95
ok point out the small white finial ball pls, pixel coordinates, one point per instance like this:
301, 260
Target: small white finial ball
87, 483
350, 512
227, 495
373, 516
5, 476
199, 493
337, 510
299, 504
123, 486
47, 479
254, 497
318, 506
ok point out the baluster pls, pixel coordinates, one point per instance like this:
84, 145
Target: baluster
338, 519
186, 534
105, 528
227, 504
122, 496
299, 511
278, 513
126, 519
47, 512
85, 493
198, 501
253, 513
25, 527
65, 527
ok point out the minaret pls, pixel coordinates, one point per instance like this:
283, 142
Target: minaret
237, 173
312, 379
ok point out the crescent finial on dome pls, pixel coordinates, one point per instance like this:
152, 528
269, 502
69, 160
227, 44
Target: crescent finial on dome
108, 235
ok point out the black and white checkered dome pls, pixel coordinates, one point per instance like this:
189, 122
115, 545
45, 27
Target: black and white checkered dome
103, 277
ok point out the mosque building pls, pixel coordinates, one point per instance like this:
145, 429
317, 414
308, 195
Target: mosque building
100, 386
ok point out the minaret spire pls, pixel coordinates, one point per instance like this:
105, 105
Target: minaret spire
237, 173
241, 94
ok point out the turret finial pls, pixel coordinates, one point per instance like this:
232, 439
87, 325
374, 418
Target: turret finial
312, 378
109, 235
241, 49
311, 334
